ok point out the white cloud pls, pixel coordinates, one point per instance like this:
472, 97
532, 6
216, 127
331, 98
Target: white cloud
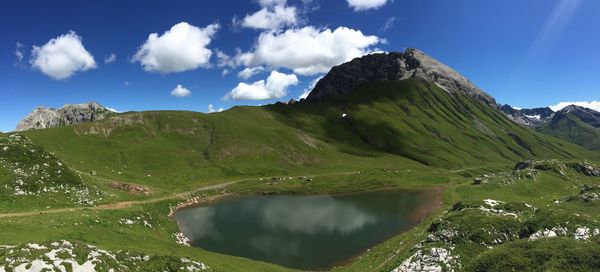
223, 59
111, 58
308, 50
18, 52
275, 86
360, 5
181, 91
311, 86
62, 56
594, 105
273, 15
267, 3
182, 48
113, 110
248, 72
389, 23
212, 109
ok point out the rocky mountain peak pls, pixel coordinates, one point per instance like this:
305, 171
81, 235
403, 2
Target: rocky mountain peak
43, 117
529, 117
412, 63
588, 116
571, 108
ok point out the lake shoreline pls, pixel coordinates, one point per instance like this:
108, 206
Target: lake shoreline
432, 202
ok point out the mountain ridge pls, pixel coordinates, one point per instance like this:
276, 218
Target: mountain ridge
412, 63
572, 123
69, 114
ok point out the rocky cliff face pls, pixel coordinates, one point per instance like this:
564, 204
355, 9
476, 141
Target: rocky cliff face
43, 117
529, 117
411, 63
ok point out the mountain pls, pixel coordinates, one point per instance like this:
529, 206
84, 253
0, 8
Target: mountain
418, 132
529, 117
70, 114
575, 124
394, 66
425, 115
588, 116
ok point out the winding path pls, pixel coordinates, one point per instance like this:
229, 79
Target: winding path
126, 204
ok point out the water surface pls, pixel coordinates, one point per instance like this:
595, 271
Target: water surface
303, 232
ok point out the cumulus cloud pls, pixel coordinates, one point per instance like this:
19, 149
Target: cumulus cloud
308, 50
311, 86
62, 57
360, 5
594, 105
111, 58
248, 72
273, 15
275, 86
182, 48
181, 91
212, 109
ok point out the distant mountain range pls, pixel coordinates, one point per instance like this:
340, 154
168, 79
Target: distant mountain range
573, 123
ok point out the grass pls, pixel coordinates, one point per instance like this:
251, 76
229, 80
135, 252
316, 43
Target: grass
570, 128
396, 135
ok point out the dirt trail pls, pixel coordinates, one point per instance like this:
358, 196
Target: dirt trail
126, 204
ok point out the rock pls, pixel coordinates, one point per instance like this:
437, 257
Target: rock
411, 63
435, 260
477, 181
42, 117
529, 117
586, 169
93, 172
582, 233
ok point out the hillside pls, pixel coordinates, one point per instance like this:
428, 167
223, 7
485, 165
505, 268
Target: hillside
503, 185
575, 124
409, 122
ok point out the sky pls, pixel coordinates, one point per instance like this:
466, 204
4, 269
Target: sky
209, 56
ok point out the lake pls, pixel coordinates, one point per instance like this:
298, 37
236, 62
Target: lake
303, 232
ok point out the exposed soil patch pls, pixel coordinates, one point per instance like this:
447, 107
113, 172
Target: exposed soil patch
130, 188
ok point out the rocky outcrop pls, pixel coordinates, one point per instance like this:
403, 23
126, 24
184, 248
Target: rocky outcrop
412, 63
69, 114
529, 117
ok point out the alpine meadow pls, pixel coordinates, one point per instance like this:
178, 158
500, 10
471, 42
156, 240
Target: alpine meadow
346, 135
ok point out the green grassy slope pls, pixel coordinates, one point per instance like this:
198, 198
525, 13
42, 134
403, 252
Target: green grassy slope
570, 128
31, 178
424, 123
405, 122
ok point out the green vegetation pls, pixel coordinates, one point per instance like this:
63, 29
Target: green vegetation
570, 128
393, 135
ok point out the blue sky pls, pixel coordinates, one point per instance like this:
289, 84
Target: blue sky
524, 53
